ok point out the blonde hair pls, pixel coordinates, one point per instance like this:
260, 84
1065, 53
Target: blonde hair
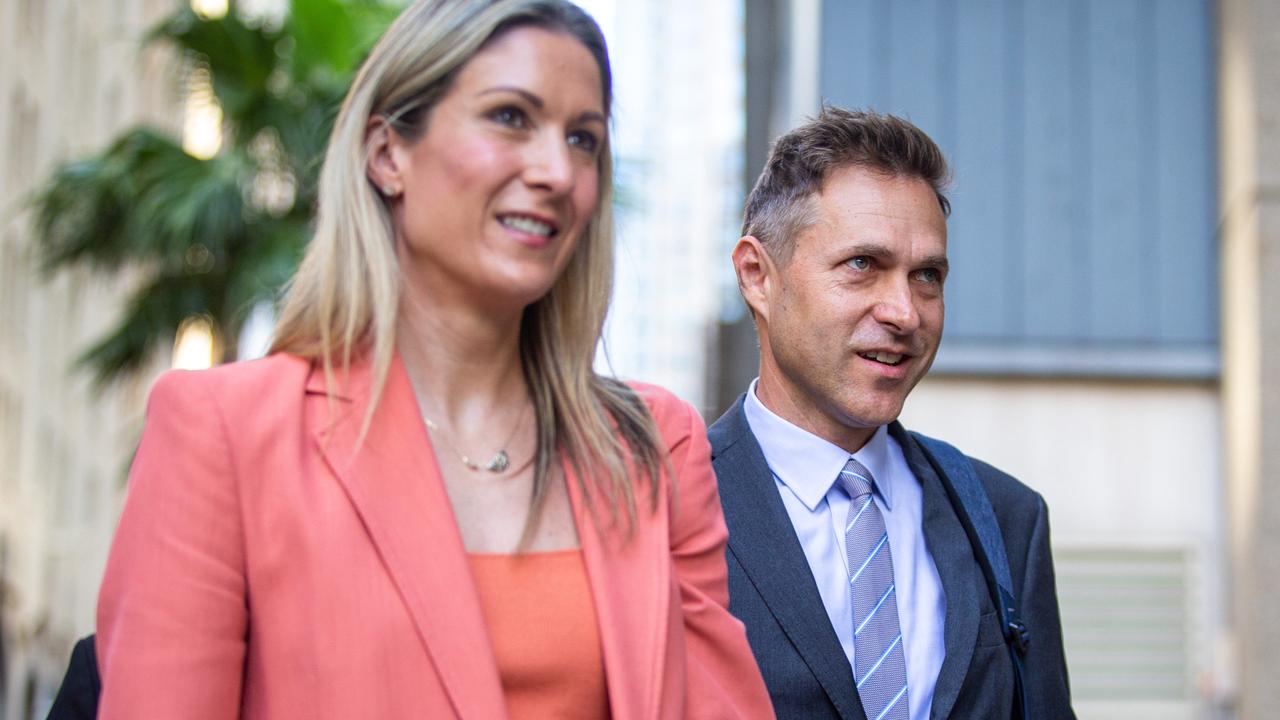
344, 299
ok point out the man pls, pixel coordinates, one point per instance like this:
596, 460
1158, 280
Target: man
848, 564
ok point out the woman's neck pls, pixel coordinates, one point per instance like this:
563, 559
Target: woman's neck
463, 361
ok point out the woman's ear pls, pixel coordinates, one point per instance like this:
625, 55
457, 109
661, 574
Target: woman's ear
381, 166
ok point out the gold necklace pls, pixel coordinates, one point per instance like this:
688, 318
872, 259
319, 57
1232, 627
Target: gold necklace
500, 460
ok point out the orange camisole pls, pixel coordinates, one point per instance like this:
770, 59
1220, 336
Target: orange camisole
542, 625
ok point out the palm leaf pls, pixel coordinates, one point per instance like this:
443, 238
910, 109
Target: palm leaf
194, 230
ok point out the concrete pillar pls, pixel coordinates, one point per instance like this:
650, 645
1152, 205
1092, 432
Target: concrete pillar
1249, 127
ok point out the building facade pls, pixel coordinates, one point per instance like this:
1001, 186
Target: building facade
678, 139
73, 74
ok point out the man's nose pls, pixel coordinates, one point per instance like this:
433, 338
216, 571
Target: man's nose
895, 307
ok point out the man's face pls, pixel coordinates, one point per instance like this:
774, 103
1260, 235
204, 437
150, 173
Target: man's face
852, 321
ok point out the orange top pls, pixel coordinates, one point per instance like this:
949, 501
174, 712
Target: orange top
542, 624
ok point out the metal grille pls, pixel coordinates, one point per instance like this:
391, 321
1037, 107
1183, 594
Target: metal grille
1127, 620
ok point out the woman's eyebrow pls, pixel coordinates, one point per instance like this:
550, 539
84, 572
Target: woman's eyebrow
533, 100
536, 102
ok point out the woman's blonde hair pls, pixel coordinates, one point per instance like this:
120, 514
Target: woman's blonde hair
343, 300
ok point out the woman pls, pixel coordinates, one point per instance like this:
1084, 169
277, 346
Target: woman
425, 503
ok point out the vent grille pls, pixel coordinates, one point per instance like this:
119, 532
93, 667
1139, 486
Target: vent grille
1127, 622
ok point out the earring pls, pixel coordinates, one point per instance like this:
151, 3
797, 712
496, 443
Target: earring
390, 191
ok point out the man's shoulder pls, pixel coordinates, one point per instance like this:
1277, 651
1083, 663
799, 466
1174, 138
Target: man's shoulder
1004, 490
1008, 495
729, 428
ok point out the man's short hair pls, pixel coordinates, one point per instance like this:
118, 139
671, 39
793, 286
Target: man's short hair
780, 205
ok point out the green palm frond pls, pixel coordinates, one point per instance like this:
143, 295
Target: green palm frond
211, 236
154, 311
143, 200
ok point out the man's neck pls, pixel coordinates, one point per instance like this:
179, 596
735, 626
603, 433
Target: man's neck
810, 414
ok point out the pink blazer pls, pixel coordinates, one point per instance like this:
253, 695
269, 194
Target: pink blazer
263, 568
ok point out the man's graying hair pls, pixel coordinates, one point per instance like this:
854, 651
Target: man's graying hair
781, 203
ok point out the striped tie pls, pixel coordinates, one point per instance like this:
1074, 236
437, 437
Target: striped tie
880, 668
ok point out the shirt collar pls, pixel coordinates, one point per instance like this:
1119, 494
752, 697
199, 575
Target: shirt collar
808, 464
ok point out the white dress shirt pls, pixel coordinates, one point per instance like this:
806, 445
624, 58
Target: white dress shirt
805, 468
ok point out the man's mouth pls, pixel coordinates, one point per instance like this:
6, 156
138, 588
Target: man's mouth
883, 358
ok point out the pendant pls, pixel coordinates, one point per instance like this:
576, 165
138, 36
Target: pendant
499, 462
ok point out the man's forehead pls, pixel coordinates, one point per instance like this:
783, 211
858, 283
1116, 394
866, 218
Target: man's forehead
876, 191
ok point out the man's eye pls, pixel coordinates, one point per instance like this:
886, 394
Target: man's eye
585, 141
862, 262
510, 116
929, 275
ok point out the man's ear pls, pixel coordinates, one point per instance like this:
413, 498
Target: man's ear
757, 275
381, 165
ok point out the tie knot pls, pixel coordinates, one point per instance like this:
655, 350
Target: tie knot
856, 479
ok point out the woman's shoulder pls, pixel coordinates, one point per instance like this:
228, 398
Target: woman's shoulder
249, 383
673, 416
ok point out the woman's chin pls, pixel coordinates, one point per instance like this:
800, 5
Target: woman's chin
514, 295
522, 285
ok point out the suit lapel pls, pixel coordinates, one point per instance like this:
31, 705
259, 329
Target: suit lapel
395, 485
631, 587
763, 541
949, 546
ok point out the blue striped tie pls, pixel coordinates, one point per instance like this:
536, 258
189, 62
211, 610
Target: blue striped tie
880, 667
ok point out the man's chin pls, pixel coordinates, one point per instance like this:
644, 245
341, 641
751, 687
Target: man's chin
873, 415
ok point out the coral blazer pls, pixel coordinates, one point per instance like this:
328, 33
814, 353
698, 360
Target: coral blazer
266, 566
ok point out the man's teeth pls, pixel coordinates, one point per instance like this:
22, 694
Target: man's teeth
886, 358
528, 225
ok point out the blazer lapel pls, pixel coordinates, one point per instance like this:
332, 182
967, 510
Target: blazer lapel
949, 546
394, 483
631, 587
763, 541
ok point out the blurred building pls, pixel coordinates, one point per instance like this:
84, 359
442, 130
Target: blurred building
678, 141
1111, 337
72, 75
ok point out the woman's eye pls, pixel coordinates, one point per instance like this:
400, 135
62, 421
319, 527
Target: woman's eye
585, 141
509, 116
861, 262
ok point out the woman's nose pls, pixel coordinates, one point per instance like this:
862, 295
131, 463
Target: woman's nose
549, 164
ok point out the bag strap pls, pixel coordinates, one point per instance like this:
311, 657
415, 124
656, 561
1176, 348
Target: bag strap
973, 507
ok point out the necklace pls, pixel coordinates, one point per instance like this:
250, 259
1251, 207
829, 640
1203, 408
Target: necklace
500, 460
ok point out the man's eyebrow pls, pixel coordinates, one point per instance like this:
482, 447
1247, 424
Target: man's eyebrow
937, 261
874, 250
535, 101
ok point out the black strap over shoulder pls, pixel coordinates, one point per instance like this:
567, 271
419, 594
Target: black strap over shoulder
973, 507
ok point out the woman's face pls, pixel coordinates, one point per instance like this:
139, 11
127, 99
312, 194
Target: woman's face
496, 192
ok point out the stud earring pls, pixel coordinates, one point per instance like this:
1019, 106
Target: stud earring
390, 191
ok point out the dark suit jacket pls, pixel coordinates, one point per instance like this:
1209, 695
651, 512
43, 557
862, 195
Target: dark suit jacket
773, 592
78, 697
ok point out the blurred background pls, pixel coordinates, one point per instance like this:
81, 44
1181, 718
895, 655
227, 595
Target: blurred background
1112, 339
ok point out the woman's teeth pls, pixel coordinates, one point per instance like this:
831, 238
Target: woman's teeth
526, 225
